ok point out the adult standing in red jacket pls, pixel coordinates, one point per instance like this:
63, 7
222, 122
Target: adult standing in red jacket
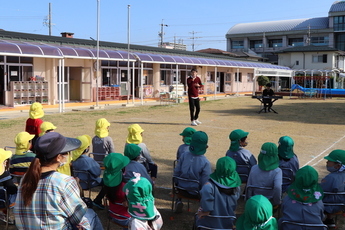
194, 83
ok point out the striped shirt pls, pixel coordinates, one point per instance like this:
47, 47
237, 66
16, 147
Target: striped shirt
56, 204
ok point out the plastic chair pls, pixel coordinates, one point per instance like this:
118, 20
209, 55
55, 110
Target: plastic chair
340, 213
4, 203
111, 215
229, 219
252, 190
183, 193
285, 225
86, 184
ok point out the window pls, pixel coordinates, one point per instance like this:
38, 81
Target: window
340, 41
238, 77
339, 23
237, 45
296, 42
250, 77
275, 43
319, 58
319, 41
297, 62
256, 44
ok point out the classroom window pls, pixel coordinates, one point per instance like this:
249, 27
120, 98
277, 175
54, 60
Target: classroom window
238, 77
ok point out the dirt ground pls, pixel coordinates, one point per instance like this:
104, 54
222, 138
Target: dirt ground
317, 127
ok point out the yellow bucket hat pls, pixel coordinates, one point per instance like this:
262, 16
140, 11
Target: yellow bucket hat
36, 110
101, 129
22, 142
85, 142
45, 126
134, 134
4, 155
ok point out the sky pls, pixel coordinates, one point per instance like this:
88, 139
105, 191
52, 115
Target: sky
199, 24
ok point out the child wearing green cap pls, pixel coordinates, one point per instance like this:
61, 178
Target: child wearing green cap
193, 165
258, 215
242, 156
141, 205
288, 161
303, 203
114, 163
132, 151
186, 134
266, 174
219, 196
334, 182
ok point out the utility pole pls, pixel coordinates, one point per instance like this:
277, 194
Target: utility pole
161, 34
50, 19
193, 38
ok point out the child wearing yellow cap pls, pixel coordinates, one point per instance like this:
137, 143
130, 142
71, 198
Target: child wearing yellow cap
22, 158
102, 142
34, 121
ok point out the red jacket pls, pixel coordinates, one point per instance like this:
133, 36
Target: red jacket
33, 126
193, 91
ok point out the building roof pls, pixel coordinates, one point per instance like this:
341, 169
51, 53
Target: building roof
337, 6
283, 25
310, 48
34, 45
217, 51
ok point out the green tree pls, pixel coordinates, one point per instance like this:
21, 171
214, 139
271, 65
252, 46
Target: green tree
262, 80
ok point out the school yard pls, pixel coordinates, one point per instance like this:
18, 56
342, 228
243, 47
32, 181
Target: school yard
317, 127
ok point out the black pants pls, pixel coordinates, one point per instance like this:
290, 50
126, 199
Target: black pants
194, 103
267, 104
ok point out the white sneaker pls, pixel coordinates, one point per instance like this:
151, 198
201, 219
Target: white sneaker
198, 122
194, 123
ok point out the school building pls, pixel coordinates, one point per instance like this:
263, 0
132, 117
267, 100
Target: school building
53, 69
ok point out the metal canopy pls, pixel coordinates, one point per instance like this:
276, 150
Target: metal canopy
38, 49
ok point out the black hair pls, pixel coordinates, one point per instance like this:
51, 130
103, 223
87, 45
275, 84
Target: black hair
268, 85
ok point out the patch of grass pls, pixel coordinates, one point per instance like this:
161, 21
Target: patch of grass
8, 124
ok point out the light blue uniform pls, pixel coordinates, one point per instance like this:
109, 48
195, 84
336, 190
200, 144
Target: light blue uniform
333, 182
292, 164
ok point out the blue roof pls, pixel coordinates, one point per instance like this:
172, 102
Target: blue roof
284, 25
337, 6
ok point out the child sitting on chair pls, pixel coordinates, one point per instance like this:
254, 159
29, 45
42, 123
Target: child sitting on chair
186, 134
6, 182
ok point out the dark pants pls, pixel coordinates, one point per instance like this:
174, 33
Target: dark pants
267, 104
194, 103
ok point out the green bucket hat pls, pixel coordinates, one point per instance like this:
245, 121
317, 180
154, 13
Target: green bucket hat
306, 188
140, 200
114, 163
285, 147
132, 151
337, 155
225, 173
234, 137
187, 134
268, 157
257, 215
198, 144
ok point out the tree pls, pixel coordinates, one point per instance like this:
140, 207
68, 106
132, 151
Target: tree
263, 80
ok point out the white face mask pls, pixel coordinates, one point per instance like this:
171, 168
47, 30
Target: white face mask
63, 163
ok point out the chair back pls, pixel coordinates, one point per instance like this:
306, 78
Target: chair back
290, 225
184, 184
115, 218
5, 204
252, 190
243, 171
226, 221
84, 179
288, 177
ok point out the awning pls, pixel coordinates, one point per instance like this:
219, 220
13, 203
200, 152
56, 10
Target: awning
52, 50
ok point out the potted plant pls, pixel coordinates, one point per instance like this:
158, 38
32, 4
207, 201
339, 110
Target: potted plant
262, 81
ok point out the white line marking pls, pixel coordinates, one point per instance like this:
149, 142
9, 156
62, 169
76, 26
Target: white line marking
323, 153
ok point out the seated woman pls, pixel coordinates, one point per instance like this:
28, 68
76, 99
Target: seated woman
141, 205
135, 136
114, 163
303, 203
22, 158
82, 162
288, 161
6, 182
258, 214
266, 174
219, 196
42, 183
